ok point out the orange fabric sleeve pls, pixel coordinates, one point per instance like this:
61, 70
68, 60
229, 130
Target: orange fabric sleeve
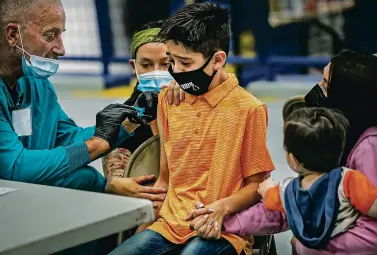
255, 156
272, 200
359, 190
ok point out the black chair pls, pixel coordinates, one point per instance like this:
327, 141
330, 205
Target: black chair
264, 245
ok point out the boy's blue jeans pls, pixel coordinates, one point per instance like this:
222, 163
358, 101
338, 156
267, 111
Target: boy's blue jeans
152, 243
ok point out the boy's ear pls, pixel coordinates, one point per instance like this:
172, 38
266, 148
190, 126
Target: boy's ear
295, 164
219, 60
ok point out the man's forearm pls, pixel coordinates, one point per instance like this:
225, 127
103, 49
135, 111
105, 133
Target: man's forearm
114, 162
96, 147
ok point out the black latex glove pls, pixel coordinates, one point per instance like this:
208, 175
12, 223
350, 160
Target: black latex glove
108, 121
149, 101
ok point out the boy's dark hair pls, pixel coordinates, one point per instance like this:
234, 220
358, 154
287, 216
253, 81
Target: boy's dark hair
200, 27
316, 137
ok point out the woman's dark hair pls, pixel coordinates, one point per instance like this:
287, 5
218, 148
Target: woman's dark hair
136, 92
353, 90
316, 137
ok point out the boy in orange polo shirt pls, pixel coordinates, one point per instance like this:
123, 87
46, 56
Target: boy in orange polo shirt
213, 145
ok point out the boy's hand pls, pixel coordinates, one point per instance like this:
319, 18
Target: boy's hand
208, 226
264, 186
198, 216
199, 210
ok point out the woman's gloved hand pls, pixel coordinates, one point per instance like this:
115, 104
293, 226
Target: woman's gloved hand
108, 121
149, 101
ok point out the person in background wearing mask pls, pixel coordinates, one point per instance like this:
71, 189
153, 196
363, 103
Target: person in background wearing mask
150, 64
213, 146
349, 84
39, 143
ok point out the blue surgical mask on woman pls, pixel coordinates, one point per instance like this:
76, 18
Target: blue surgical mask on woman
39, 67
153, 81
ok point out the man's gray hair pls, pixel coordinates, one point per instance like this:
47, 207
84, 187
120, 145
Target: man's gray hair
13, 11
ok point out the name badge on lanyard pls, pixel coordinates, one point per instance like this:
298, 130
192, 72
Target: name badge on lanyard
22, 122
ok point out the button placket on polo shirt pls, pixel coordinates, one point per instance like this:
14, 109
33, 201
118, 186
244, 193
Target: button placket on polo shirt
198, 123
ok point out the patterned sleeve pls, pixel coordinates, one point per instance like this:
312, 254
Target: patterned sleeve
114, 163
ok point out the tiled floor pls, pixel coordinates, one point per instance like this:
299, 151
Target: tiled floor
83, 111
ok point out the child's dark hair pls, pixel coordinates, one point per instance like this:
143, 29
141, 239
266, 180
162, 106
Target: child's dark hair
316, 137
200, 27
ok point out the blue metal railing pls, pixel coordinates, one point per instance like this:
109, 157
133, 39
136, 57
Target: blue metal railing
254, 68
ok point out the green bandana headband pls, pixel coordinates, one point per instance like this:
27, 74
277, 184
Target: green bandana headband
143, 37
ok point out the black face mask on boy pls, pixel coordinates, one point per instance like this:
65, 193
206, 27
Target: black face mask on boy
194, 82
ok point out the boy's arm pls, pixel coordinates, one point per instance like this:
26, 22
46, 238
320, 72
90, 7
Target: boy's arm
163, 178
256, 163
355, 186
245, 197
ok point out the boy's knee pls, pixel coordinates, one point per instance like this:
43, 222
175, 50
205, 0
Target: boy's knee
196, 246
201, 246
146, 242
132, 246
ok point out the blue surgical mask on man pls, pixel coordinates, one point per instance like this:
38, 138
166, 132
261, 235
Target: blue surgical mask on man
39, 67
153, 81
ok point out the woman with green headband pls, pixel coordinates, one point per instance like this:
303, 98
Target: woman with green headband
150, 64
